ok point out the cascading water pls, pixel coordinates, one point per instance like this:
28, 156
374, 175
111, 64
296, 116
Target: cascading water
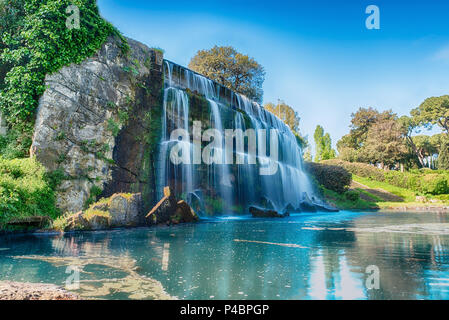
225, 188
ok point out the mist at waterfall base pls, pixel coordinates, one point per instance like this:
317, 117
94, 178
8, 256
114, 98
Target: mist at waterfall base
226, 189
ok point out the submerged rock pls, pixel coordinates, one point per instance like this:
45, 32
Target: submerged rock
34, 291
169, 210
262, 213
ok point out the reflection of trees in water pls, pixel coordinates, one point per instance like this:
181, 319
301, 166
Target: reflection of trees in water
331, 245
402, 258
213, 264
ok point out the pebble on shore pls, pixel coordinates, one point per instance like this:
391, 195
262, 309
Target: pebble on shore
10, 290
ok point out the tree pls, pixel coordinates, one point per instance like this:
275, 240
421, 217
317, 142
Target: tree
385, 143
290, 117
351, 146
409, 126
443, 158
286, 113
433, 111
231, 69
307, 156
323, 145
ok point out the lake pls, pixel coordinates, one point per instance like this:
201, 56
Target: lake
345, 255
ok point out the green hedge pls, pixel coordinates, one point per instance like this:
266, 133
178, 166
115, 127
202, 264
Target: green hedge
25, 190
335, 178
420, 181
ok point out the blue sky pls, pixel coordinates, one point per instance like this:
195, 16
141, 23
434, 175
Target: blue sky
318, 55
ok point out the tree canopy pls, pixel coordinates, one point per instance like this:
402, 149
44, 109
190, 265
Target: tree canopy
433, 111
231, 69
323, 145
290, 117
375, 137
286, 113
443, 159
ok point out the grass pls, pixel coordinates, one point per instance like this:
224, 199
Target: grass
406, 194
409, 197
341, 202
370, 195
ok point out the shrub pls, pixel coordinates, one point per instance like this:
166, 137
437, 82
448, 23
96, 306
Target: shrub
24, 190
352, 195
335, 178
434, 184
359, 169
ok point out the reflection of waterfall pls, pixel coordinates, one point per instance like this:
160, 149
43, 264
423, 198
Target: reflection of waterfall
190, 97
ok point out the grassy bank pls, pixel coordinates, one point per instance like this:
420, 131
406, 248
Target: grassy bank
375, 192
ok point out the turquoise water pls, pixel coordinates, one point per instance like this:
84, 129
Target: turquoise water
306, 256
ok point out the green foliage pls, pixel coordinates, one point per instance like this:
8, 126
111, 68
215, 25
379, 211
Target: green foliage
375, 137
433, 111
420, 181
323, 145
113, 127
352, 195
443, 158
286, 113
25, 190
37, 42
94, 193
342, 203
335, 178
231, 69
16, 143
214, 205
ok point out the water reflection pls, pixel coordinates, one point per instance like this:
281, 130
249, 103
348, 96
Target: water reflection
317, 256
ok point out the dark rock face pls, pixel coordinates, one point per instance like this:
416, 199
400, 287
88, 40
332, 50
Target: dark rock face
170, 211
94, 123
262, 213
33, 291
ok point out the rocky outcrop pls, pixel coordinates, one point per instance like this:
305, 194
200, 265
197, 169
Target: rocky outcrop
263, 213
170, 211
33, 291
94, 124
120, 210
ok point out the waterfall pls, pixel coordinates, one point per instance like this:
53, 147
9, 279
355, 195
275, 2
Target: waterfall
225, 188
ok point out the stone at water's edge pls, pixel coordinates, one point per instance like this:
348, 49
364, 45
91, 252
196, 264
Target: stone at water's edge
120, 210
92, 123
169, 210
262, 213
185, 212
33, 291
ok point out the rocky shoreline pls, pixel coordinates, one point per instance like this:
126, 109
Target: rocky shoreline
10, 290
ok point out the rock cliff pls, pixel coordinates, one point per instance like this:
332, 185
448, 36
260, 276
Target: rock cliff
97, 124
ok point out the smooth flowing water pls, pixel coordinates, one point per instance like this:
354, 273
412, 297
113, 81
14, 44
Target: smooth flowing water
227, 184
306, 256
